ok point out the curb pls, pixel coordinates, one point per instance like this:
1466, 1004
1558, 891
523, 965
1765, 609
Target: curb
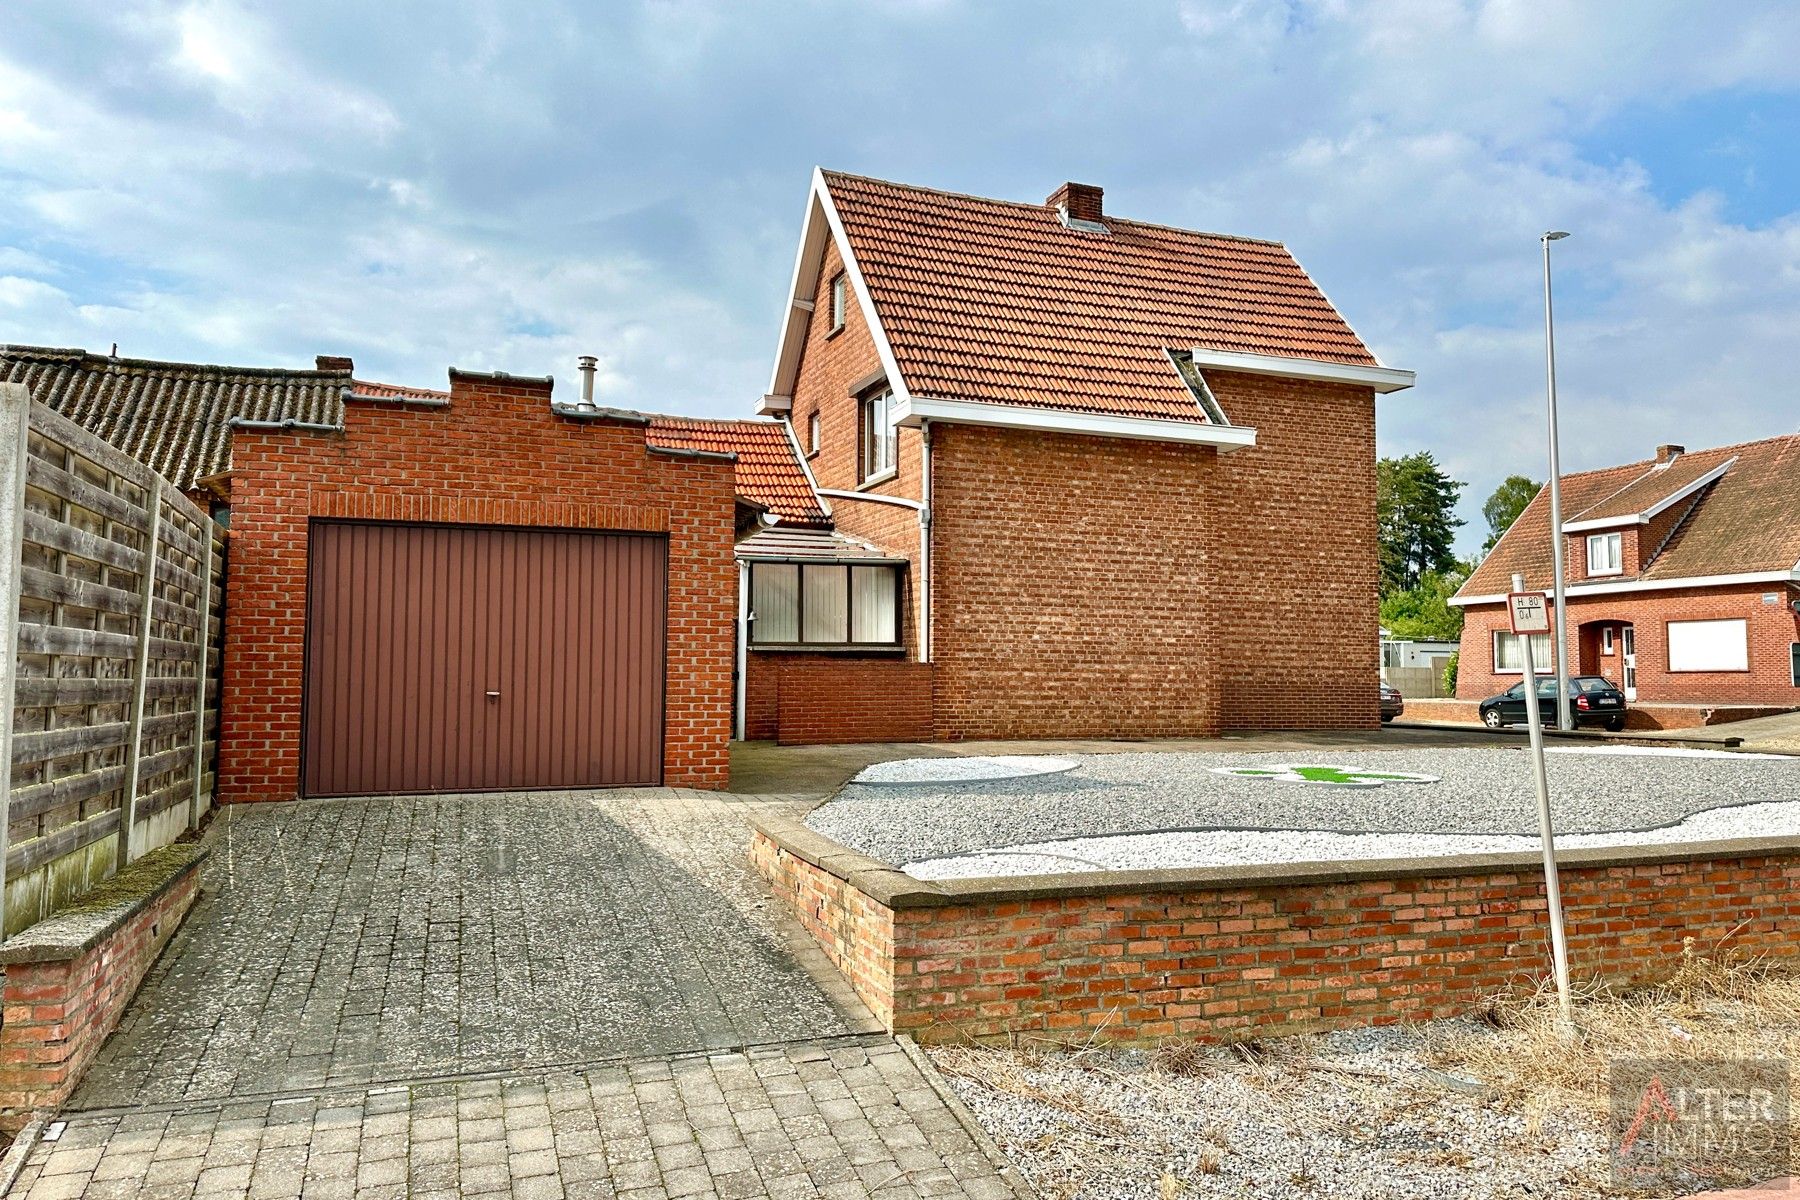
14, 1160
1014, 1178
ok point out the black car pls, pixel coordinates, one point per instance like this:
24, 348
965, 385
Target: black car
1391, 703
1592, 701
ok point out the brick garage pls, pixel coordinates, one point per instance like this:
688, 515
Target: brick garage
493, 454
1229, 952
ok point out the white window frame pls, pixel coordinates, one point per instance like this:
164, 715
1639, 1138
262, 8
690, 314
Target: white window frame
1612, 553
813, 436
1606, 640
840, 300
876, 438
1732, 656
1542, 668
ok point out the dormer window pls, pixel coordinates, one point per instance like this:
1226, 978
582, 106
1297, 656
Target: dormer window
1605, 553
838, 298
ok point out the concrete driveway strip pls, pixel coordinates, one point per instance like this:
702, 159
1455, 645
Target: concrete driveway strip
566, 994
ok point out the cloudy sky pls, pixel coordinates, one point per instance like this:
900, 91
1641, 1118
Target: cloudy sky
505, 184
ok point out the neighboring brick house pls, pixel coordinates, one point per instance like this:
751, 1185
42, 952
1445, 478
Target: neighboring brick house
1683, 579
1123, 476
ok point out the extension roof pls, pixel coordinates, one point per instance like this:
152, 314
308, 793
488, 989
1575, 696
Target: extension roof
1746, 520
991, 301
770, 471
173, 417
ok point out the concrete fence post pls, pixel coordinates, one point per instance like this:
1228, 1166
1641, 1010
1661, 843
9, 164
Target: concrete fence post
15, 418
141, 674
206, 569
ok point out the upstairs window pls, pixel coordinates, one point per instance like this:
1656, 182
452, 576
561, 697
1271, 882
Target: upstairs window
825, 604
838, 296
1605, 553
877, 437
812, 434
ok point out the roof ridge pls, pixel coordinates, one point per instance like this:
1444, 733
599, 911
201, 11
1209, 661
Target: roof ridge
765, 421
69, 353
1041, 207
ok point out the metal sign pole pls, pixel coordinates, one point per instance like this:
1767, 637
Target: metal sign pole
1559, 945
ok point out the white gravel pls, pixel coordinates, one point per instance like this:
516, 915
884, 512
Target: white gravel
1358, 1116
973, 768
1147, 851
1480, 791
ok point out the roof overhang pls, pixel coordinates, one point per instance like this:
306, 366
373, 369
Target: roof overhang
1382, 379
790, 544
912, 411
1578, 590
821, 223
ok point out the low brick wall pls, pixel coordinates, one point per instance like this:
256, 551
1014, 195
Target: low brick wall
811, 699
1219, 952
1639, 716
68, 978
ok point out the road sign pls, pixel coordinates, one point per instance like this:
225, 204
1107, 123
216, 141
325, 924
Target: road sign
1530, 612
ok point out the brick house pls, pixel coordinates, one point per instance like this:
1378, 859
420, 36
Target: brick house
1683, 581
1118, 479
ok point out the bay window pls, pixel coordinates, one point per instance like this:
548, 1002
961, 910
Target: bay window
825, 604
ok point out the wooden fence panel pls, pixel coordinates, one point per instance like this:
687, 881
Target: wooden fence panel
111, 697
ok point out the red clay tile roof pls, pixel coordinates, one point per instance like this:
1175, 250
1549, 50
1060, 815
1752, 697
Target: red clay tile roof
1747, 521
369, 389
995, 301
769, 469
173, 417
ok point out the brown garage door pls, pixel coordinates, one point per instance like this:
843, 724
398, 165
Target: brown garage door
457, 658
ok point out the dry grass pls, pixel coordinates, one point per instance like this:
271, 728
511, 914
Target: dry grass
1713, 1007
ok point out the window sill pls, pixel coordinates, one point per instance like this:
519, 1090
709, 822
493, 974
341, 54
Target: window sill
822, 648
1605, 574
875, 480
833, 332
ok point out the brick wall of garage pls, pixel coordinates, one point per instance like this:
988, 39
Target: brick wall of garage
496, 455
1072, 594
1772, 630
1296, 598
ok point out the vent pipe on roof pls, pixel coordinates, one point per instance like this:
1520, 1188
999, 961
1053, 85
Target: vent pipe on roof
588, 364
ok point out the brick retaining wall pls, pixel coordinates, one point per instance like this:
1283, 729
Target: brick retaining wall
69, 978
1218, 952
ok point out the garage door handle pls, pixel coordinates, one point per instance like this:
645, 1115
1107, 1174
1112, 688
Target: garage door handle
493, 695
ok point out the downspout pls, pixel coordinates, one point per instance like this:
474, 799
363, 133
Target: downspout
743, 644
925, 541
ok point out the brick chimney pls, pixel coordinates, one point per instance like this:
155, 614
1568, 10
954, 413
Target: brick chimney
1079, 201
333, 362
1668, 454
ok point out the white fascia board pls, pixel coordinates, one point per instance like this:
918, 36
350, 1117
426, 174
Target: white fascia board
1576, 591
853, 272
873, 498
774, 406
1382, 379
912, 410
1643, 518
800, 457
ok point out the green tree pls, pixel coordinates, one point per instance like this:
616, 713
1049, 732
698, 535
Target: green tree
1425, 612
1505, 505
1416, 521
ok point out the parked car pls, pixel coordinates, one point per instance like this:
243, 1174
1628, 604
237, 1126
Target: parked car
1391, 703
1592, 701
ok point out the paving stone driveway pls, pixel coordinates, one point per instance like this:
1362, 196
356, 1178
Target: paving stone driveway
582, 994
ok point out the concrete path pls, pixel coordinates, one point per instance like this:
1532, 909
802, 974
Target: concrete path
528, 994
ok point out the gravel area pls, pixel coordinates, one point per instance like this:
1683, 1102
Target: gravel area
970, 769
1480, 791
1147, 851
1354, 1115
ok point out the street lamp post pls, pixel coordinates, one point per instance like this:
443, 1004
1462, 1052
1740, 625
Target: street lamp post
1564, 719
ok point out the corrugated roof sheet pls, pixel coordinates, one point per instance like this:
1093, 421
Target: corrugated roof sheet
784, 543
769, 470
1747, 521
171, 416
996, 301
